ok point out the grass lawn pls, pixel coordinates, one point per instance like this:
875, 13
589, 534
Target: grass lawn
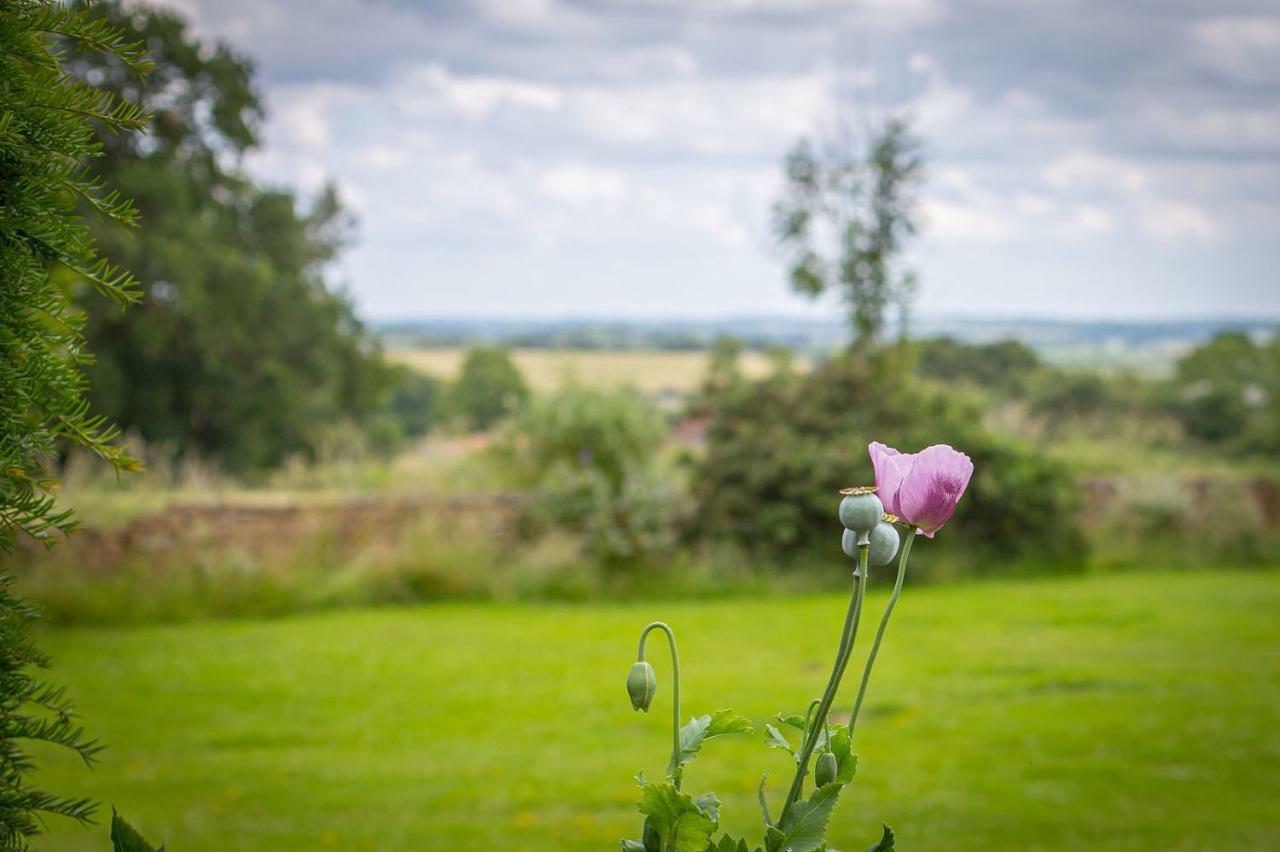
1128, 712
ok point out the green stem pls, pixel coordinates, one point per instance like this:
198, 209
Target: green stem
673, 768
884, 623
847, 636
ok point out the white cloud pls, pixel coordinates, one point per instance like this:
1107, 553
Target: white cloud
1084, 171
1033, 204
1243, 47
966, 223
303, 120
474, 96
386, 157
706, 116
718, 222
1173, 221
1091, 219
1219, 128
578, 184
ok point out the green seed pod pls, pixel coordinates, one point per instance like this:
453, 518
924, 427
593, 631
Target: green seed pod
861, 510
641, 685
884, 544
825, 772
849, 544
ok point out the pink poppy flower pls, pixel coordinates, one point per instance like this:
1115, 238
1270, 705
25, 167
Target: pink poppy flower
921, 488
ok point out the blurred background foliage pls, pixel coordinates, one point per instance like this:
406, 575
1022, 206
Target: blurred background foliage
312, 466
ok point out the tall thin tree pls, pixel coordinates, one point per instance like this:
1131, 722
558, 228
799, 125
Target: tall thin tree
843, 219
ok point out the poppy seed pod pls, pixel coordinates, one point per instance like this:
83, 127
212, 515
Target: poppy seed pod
825, 772
884, 544
641, 685
849, 543
861, 510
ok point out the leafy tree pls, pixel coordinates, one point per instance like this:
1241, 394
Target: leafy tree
241, 353
1229, 391
489, 387
843, 218
45, 136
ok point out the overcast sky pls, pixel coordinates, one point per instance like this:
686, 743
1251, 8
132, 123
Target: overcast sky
1087, 158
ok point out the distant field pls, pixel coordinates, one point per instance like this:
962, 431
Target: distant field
651, 371
1133, 712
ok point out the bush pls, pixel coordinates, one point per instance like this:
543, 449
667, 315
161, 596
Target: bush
1229, 392
1004, 366
489, 387
779, 449
415, 401
589, 458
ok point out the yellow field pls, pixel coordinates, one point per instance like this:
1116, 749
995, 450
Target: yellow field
653, 371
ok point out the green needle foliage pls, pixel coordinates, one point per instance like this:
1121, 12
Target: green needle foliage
47, 135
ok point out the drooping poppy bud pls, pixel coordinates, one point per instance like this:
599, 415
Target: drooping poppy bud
860, 511
825, 772
884, 544
641, 685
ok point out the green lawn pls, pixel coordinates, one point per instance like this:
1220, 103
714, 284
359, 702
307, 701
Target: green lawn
1117, 713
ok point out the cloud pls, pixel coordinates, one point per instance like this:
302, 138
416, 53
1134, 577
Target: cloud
1090, 219
1173, 221
578, 184
1091, 171
482, 136
475, 96
1245, 48
952, 222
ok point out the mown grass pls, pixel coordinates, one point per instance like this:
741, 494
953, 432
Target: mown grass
1131, 712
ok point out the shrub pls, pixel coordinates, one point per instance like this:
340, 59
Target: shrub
779, 450
1004, 366
489, 387
415, 401
590, 460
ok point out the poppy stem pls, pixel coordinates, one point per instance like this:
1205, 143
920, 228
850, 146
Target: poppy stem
884, 623
847, 635
673, 769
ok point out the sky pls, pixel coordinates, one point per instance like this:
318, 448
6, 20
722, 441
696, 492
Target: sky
609, 158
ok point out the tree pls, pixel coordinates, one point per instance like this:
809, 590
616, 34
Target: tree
1229, 391
1003, 366
242, 353
843, 220
488, 388
45, 136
